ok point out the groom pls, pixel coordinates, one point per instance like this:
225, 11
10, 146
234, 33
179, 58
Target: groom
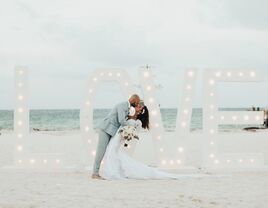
108, 128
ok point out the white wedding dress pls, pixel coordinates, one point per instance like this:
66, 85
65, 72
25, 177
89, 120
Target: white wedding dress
118, 165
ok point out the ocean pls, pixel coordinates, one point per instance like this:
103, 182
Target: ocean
68, 120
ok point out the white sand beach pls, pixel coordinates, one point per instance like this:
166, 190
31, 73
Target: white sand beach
76, 189
29, 188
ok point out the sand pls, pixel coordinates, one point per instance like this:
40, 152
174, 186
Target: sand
23, 189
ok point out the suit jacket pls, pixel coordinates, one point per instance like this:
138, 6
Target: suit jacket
116, 118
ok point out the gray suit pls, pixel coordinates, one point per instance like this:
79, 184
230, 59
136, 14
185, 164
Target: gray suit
108, 128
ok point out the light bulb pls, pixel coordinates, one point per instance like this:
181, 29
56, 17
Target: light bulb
149, 88
45, 161
20, 123
19, 148
86, 128
20, 97
110, 74
126, 83
118, 74
32, 161
211, 155
161, 150
180, 149
19, 135
229, 74
189, 87
252, 74
163, 162
90, 91
93, 152
58, 161
146, 74
21, 72
151, 100
217, 74
190, 73
211, 82
20, 110
216, 161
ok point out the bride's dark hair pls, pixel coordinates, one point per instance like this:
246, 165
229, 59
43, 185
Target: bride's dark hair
144, 118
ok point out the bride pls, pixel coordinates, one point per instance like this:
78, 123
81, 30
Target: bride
118, 165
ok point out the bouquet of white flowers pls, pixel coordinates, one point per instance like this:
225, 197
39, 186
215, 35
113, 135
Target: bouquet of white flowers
128, 133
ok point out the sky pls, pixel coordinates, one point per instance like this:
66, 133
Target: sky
63, 41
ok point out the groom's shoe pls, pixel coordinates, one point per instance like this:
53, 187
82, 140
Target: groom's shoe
95, 176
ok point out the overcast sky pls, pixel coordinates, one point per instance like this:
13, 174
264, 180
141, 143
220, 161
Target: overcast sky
62, 41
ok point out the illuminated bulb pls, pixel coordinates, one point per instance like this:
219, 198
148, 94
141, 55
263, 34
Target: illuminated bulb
19, 135
161, 150
212, 106
179, 161
156, 125
19, 123
163, 162
190, 73
86, 128
187, 99
211, 131
21, 72
189, 87
185, 111
211, 117
240, 74
211, 155
240, 160
32, 161
183, 124
19, 148
229, 74
252, 74
180, 149
246, 117
95, 79
257, 118
171, 162
20, 97
234, 118
216, 161
89, 141
58, 161
159, 137
20, 110
149, 88
93, 152
151, 100
90, 91
146, 74
222, 117
211, 82
211, 94
154, 112
101, 74
20, 84
228, 161
211, 143
110, 74
87, 103
251, 160
45, 161
20, 161
217, 74
118, 74
126, 83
